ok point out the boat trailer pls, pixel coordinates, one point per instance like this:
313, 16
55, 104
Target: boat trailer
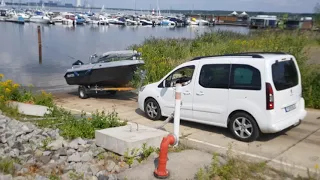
84, 92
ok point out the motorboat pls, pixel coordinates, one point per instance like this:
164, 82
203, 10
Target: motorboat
117, 21
130, 22
111, 69
57, 19
145, 22
103, 20
40, 17
15, 18
167, 22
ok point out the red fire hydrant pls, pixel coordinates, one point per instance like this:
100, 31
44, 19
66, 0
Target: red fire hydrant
161, 171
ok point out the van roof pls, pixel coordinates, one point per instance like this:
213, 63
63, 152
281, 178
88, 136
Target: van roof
255, 55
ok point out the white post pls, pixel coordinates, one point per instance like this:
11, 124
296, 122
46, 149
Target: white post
176, 125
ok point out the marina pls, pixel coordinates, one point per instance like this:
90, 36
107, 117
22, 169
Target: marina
84, 15
71, 34
62, 45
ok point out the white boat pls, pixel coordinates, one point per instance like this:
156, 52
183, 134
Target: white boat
167, 22
40, 19
15, 18
193, 22
103, 20
68, 18
25, 16
57, 19
116, 21
145, 22
203, 22
131, 22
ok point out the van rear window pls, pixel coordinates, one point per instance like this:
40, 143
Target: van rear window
284, 75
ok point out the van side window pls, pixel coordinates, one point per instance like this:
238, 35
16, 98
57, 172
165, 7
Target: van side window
215, 76
245, 77
183, 75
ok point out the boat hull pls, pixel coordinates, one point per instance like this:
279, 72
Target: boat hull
118, 76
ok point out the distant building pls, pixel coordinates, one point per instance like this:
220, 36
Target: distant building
68, 5
78, 4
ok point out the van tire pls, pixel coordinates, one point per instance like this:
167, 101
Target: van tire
251, 124
152, 103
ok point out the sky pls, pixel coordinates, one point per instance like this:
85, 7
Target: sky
296, 6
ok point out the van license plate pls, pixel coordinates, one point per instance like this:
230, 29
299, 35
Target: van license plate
290, 108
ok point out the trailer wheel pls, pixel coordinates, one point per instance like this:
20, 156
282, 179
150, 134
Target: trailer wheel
83, 94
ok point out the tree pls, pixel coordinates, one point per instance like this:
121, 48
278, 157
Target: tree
317, 15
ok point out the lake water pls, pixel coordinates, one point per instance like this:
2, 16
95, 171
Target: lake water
63, 45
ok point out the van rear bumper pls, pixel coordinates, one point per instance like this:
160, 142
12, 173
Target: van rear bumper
288, 122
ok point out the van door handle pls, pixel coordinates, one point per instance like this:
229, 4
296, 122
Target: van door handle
186, 93
200, 93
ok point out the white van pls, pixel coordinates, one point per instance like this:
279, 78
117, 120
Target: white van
248, 93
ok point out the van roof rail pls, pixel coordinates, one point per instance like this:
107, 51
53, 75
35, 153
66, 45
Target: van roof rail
252, 54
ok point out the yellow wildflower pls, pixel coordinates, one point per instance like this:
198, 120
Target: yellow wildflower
89, 118
9, 81
7, 90
316, 166
16, 86
1, 76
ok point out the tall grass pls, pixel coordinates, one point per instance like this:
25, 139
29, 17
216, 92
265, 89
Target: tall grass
162, 55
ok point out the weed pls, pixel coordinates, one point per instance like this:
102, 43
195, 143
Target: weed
76, 176
46, 142
130, 155
180, 147
54, 177
7, 166
100, 156
146, 152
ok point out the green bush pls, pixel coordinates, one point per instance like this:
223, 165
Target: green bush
72, 127
10, 91
162, 55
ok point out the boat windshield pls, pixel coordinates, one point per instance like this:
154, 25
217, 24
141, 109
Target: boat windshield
111, 58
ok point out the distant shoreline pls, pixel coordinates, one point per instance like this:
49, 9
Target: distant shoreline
175, 11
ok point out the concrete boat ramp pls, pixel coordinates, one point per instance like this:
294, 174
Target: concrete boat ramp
294, 150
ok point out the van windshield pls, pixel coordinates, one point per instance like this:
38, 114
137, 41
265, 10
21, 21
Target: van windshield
284, 75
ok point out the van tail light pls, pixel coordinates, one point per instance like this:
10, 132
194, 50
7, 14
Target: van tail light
269, 96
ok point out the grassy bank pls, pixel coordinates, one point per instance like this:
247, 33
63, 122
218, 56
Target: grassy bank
239, 168
71, 126
162, 55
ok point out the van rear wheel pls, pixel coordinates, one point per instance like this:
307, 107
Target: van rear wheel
244, 127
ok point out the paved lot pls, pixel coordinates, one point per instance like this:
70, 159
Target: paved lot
294, 149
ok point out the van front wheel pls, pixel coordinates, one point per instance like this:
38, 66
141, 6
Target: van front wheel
244, 127
152, 109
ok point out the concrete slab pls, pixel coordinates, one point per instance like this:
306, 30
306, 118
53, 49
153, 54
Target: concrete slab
30, 109
122, 139
182, 165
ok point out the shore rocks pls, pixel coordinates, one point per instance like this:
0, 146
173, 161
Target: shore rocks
42, 152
